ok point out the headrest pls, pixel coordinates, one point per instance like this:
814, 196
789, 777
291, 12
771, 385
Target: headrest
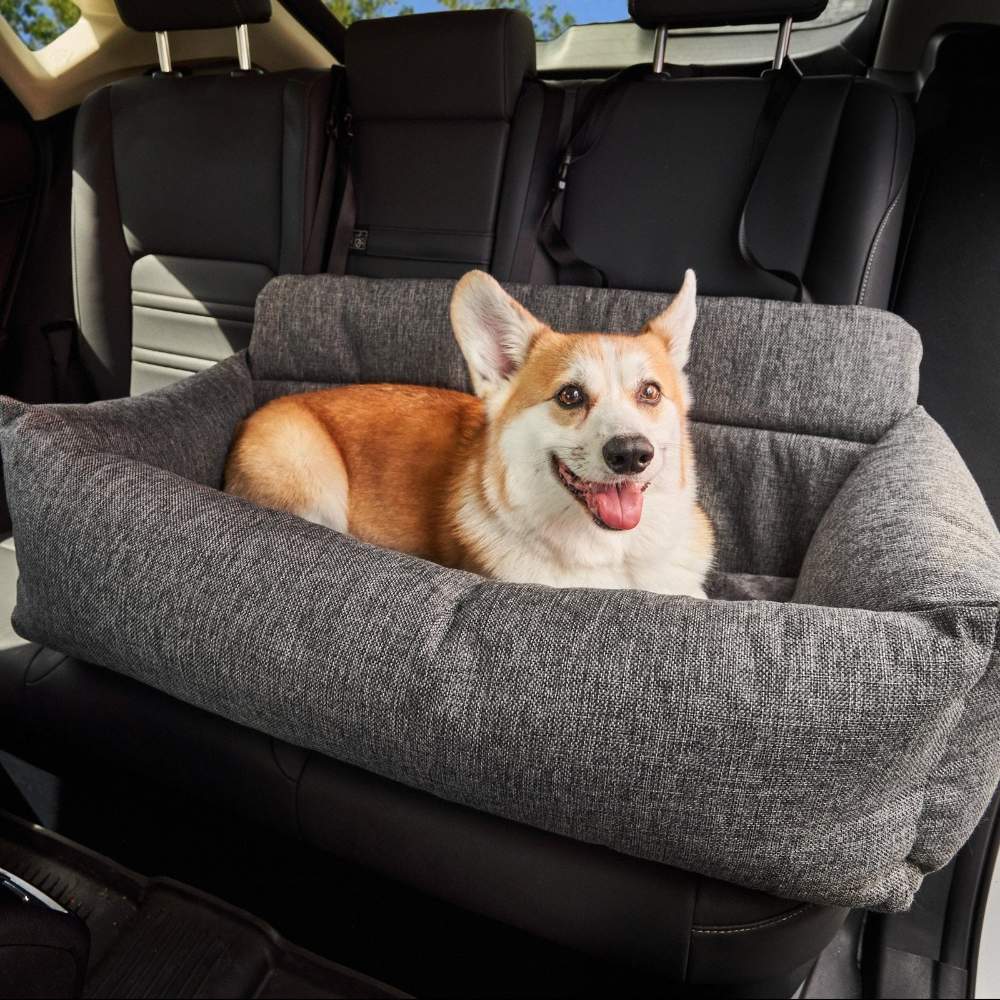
709, 13
454, 64
183, 15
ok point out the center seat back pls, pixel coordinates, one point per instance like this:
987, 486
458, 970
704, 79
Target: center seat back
190, 192
762, 185
432, 103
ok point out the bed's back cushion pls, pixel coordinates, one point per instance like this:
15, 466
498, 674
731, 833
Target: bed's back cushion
787, 398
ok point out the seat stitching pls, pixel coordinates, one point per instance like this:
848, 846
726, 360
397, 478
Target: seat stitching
38, 680
872, 254
167, 298
478, 262
834, 438
304, 161
759, 926
874, 251
506, 28
424, 229
687, 939
440, 119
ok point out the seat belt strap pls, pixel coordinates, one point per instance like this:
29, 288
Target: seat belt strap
317, 244
570, 268
343, 234
784, 83
597, 111
556, 104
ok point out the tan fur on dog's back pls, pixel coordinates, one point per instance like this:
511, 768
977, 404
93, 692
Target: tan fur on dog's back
282, 457
389, 453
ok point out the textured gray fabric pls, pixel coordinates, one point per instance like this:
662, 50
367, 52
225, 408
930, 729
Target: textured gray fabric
185, 428
749, 587
842, 371
912, 509
776, 745
765, 491
829, 749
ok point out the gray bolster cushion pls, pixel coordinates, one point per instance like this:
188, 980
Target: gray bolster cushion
833, 743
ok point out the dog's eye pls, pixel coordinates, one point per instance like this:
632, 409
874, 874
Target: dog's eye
570, 396
650, 393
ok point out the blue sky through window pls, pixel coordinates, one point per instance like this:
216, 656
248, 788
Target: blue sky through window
584, 11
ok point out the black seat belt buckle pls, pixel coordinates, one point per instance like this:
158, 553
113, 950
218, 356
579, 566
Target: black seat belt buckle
563, 171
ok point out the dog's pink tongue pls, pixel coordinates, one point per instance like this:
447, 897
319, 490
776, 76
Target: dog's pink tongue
618, 506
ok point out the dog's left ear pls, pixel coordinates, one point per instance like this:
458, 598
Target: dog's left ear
676, 322
492, 329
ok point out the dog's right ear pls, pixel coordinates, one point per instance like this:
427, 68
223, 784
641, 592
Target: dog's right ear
676, 323
492, 329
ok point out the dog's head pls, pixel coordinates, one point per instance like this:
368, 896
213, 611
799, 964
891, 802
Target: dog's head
584, 421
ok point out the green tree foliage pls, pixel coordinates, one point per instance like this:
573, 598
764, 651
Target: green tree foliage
38, 23
347, 11
546, 17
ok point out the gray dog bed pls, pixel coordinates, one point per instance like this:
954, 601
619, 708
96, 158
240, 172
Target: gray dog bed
832, 742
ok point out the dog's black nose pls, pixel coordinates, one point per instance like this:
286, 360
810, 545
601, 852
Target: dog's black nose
628, 453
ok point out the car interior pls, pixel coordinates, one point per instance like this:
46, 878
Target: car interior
161, 162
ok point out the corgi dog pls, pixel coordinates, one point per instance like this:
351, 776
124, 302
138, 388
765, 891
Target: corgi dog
571, 465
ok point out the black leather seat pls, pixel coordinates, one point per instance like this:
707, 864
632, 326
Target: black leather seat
189, 194
682, 927
949, 282
665, 183
433, 100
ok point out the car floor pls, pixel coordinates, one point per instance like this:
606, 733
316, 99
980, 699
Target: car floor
342, 913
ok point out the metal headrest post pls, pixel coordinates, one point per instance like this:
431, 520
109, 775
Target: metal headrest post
163, 52
784, 38
243, 47
659, 49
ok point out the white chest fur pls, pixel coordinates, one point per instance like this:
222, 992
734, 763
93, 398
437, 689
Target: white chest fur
566, 548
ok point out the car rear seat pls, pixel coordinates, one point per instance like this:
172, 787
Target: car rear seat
457, 145
473, 197
662, 182
441, 123
189, 194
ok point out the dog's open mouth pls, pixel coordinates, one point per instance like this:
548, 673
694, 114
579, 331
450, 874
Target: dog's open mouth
616, 506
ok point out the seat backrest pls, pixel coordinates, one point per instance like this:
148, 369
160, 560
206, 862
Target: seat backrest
189, 194
949, 280
432, 101
672, 181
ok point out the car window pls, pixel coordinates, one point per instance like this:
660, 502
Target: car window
37, 23
551, 19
